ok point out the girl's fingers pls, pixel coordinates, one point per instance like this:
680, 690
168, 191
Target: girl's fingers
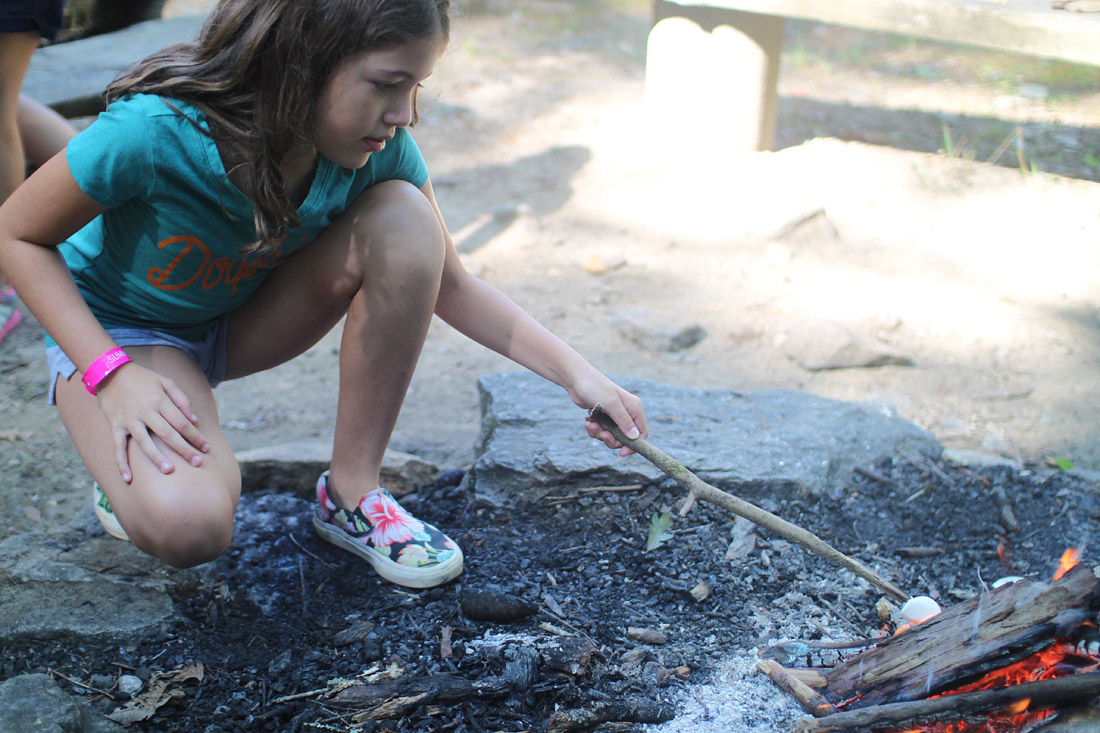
627, 413
178, 439
618, 412
122, 460
149, 447
186, 427
179, 398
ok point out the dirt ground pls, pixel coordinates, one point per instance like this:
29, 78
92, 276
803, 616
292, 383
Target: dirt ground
559, 193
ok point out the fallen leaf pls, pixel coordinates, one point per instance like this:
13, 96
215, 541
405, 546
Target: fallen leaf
163, 687
701, 591
1062, 464
356, 632
445, 649
32, 513
659, 526
741, 547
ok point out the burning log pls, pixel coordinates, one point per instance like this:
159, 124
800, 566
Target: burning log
1045, 693
987, 632
699, 489
1012, 655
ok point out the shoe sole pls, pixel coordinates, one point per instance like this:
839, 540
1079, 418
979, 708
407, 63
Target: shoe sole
388, 569
108, 520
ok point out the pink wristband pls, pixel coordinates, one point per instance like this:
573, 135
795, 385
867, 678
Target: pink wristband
98, 370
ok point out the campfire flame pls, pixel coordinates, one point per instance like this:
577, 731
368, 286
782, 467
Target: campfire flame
1061, 659
1070, 557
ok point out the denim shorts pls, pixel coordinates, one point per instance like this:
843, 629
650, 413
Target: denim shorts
208, 353
22, 16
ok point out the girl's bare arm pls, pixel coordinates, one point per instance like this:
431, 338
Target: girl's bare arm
484, 314
42, 213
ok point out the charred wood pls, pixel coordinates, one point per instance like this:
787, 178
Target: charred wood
961, 644
626, 711
811, 701
394, 698
1072, 690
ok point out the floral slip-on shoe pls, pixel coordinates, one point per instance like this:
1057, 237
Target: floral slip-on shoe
400, 547
107, 517
9, 313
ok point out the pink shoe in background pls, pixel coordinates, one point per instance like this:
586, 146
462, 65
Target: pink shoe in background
9, 313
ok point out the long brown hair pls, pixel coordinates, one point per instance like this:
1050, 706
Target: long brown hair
257, 70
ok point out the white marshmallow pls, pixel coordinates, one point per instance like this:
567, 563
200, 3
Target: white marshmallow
919, 609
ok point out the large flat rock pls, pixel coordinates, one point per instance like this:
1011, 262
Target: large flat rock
78, 581
71, 77
533, 439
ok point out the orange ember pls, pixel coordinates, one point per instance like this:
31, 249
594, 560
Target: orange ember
1069, 558
1045, 665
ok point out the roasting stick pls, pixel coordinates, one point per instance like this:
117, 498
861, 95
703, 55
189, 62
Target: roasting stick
699, 489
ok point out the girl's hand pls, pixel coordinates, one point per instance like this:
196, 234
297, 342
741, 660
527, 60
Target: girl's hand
138, 404
622, 406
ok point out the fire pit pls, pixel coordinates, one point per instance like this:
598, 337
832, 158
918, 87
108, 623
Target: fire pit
1003, 661
619, 633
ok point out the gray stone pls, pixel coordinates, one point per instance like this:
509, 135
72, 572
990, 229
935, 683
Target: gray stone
96, 586
658, 330
71, 77
293, 468
533, 440
33, 702
977, 459
129, 684
820, 345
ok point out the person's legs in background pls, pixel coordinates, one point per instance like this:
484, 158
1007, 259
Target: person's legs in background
29, 131
45, 133
16, 50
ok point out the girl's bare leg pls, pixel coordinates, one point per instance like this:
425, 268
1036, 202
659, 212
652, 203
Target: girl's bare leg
16, 50
380, 263
45, 133
184, 517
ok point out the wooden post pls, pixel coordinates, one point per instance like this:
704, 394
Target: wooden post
711, 76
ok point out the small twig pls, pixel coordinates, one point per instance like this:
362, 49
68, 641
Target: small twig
928, 465
841, 617
637, 487
70, 680
1008, 516
742, 508
299, 546
298, 696
589, 490
302, 582
868, 473
812, 701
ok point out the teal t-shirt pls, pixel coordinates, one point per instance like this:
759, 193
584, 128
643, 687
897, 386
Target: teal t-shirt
166, 254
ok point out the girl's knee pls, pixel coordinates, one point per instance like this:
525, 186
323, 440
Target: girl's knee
403, 227
187, 527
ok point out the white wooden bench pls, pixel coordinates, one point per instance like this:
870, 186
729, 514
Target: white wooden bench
713, 65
